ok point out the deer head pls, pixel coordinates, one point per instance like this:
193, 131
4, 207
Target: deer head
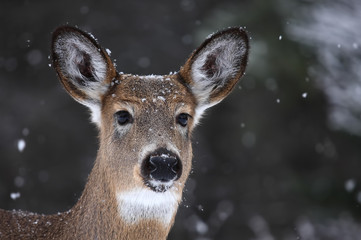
146, 122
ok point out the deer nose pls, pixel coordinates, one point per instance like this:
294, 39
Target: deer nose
162, 167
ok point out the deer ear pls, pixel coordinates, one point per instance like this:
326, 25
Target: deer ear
215, 67
83, 67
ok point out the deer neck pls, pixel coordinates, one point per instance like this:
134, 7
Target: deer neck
98, 214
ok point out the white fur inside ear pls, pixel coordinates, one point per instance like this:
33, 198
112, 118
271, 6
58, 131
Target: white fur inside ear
71, 48
224, 55
145, 204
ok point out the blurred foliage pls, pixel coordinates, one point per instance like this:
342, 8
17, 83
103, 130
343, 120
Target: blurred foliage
266, 163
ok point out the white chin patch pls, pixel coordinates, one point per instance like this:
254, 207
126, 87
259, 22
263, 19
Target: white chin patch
145, 204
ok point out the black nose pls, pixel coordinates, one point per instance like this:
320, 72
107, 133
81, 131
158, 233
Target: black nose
162, 166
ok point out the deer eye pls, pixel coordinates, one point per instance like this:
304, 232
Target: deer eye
123, 117
182, 119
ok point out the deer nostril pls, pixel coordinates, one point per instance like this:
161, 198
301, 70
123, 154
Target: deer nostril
176, 167
151, 167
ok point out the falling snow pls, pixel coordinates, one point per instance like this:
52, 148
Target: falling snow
14, 195
21, 145
350, 185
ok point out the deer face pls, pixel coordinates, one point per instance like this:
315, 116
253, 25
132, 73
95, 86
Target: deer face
149, 131
146, 122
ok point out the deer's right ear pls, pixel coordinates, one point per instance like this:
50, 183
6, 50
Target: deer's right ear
83, 67
215, 67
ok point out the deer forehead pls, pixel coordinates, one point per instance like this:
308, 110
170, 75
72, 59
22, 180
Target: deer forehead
156, 92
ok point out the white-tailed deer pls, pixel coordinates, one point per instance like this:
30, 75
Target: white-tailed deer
145, 125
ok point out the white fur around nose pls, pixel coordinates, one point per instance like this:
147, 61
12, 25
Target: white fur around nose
145, 204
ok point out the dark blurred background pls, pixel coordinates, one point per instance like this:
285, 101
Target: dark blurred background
278, 159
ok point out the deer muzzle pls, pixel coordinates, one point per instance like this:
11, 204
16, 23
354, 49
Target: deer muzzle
160, 169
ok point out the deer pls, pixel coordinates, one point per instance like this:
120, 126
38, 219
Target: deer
145, 128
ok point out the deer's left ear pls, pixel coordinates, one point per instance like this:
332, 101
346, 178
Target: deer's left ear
215, 67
